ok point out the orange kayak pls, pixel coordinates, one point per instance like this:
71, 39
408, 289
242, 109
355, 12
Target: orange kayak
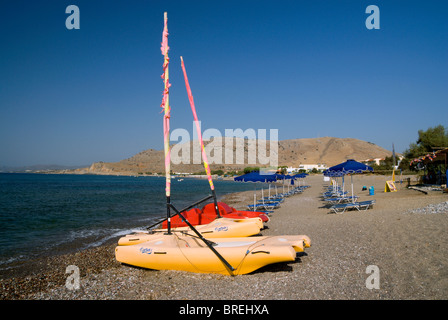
198, 217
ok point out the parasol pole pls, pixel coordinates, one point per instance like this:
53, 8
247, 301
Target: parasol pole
351, 179
166, 119
198, 129
393, 163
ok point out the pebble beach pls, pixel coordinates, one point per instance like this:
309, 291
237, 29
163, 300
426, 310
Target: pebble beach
403, 237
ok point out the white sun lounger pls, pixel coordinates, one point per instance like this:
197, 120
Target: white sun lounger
361, 205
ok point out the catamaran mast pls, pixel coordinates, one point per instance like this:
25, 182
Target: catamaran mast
198, 129
166, 134
166, 119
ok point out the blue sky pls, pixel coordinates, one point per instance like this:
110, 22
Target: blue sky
306, 68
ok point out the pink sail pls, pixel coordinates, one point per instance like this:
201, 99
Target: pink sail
198, 129
166, 106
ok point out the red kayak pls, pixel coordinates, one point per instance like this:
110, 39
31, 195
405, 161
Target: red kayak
207, 214
229, 212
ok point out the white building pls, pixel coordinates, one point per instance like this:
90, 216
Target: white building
376, 161
308, 167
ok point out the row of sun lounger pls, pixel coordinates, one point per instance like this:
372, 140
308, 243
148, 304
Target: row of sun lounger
343, 199
268, 204
340, 201
361, 205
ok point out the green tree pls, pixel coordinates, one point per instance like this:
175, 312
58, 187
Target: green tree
250, 169
385, 164
428, 141
282, 169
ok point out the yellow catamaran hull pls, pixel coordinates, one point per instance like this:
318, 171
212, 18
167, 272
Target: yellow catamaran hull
174, 252
218, 228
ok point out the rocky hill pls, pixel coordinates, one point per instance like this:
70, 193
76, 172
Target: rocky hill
236, 154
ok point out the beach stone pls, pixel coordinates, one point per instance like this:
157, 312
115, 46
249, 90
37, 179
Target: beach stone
403, 235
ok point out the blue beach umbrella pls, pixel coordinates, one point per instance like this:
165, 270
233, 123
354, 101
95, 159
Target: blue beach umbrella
284, 177
335, 174
300, 176
349, 167
279, 176
288, 177
255, 176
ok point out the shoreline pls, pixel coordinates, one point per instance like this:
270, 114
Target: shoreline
25, 268
10, 264
409, 248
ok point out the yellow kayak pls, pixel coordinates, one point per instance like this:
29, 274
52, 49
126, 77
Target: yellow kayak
226, 226
218, 228
186, 253
298, 242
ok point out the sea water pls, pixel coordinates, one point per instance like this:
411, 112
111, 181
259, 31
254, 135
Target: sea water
47, 214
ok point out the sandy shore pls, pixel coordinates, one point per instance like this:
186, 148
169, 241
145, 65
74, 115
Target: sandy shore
409, 250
